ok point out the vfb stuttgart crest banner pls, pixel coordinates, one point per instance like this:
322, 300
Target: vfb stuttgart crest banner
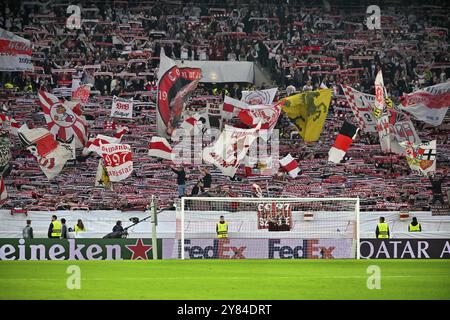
64, 119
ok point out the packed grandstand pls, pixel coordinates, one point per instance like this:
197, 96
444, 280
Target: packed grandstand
297, 47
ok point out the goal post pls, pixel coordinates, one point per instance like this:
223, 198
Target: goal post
267, 228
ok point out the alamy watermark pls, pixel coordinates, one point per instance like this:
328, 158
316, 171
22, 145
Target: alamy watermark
373, 22
74, 279
374, 278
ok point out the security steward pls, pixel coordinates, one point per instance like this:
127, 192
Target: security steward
382, 231
54, 230
222, 229
414, 226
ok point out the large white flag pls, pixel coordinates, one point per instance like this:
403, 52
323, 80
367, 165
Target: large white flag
230, 148
429, 104
15, 52
362, 107
259, 96
50, 155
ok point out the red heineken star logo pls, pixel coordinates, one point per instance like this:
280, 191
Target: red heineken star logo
139, 250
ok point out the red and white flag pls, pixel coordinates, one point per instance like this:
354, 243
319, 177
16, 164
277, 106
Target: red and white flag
257, 97
160, 148
362, 107
81, 94
252, 115
190, 124
231, 107
3, 194
64, 119
122, 108
49, 153
15, 52
7, 123
227, 152
290, 165
342, 143
94, 144
118, 160
429, 104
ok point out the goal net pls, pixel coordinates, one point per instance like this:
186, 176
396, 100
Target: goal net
267, 228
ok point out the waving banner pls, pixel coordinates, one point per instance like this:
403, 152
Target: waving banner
174, 86
230, 148
429, 104
308, 111
117, 160
122, 108
50, 155
344, 139
362, 107
421, 157
15, 52
259, 96
64, 119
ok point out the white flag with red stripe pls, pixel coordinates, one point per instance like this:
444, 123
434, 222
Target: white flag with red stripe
94, 144
15, 52
64, 119
429, 105
160, 148
290, 165
3, 194
49, 153
342, 143
7, 123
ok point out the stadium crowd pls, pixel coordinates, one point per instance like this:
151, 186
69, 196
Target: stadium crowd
117, 52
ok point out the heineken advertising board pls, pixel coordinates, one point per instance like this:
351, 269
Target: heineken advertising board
78, 249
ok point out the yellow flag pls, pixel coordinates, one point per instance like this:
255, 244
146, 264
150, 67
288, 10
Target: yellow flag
308, 111
102, 177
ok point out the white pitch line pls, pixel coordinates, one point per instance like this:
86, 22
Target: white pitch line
230, 278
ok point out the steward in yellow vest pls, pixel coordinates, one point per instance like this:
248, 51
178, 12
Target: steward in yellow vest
79, 227
382, 231
54, 230
222, 229
414, 226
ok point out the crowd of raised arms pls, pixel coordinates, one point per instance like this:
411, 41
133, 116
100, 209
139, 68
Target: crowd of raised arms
322, 43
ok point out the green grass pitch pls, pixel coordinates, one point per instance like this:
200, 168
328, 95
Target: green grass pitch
241, 279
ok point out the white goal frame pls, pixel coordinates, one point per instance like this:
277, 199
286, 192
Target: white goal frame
234, 199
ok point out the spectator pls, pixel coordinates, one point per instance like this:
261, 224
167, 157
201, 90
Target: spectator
197, 189
436, 188
206, 178
64, 234
181, 180
27, 232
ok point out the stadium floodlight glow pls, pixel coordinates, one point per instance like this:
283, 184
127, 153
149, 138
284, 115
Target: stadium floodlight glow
268, 228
